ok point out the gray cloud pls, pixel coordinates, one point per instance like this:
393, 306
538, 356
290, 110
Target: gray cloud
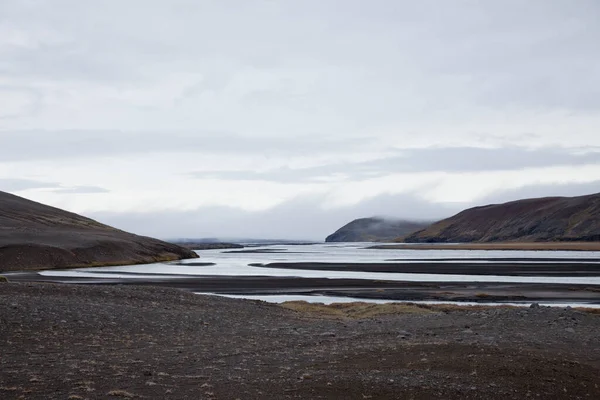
38, 144
81, 190
453, 159
18, 185
533, 191
305, 219
294, 79
15, 185
302, 219
541, 53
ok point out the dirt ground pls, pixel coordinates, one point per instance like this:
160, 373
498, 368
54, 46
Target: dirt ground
102, 342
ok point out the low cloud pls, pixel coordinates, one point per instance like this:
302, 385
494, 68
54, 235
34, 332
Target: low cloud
16, 185
302, 218
19, 185
306, 219
81, 190
26, 145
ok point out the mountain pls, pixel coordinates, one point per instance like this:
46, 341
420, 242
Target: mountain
374, 230
529, 220
36, 236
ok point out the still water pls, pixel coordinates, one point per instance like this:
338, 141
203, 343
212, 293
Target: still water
237, 262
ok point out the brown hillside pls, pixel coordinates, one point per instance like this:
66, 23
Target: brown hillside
542, 219
36, 236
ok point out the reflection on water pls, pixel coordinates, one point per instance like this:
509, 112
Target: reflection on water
334, 299
230, 263
168, 271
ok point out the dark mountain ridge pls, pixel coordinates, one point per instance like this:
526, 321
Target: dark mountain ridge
528, 220
36, 236
374, 229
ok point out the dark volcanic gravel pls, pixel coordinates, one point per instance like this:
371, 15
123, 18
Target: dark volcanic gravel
98, 342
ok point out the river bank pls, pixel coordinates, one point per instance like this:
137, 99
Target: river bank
469, 291
531, 246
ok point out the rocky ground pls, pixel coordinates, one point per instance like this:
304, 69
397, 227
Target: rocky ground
98, 342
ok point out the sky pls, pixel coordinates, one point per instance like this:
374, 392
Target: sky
288, 119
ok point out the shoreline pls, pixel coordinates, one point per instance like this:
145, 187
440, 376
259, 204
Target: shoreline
531, 246
525, 267
149, 260
356, 288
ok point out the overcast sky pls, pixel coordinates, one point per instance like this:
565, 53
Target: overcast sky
287, 119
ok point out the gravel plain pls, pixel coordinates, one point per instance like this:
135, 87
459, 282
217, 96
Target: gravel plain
112, 341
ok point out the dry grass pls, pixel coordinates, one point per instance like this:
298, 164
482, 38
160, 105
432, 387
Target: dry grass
558, 246
121, 393
359, 310
355, 310
457, 307
594, 311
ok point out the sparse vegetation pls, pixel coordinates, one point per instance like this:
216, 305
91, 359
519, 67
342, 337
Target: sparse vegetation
3, 279
355, 310
359, 310
121, 393
270, 352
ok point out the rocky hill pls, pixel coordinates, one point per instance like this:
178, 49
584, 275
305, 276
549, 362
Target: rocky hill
374, 230
529, 220
36, 236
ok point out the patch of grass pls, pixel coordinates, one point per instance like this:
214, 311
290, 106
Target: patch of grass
3, 279
446, 308
355, 310
593, 311
121, 393
359, 310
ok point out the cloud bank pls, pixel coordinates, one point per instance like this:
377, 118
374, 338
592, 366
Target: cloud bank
287, 119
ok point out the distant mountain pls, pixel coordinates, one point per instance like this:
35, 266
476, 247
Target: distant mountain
529, 220
216, 243
374, 229
36, 236
201, 245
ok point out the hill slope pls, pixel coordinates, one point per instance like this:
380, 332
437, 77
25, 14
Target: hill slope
36, 236
374, 229
529, 220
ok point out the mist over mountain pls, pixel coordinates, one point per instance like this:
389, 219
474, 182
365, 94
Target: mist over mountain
374, 229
